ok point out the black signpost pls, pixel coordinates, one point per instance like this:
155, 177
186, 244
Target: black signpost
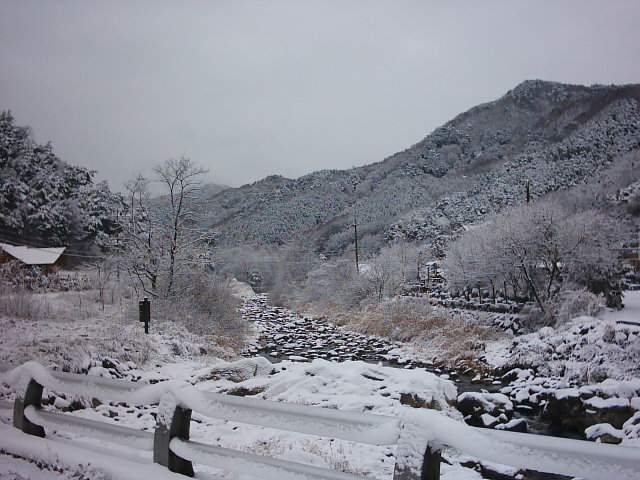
145, 313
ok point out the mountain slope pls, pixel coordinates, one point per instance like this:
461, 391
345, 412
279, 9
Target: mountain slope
556, 135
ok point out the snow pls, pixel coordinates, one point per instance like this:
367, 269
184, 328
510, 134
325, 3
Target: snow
33, 256
631, 311
241, 290
583, 350
358, 386
236, 371
488, 420
596, 431
20, 469
92, 462
246, 466
347, 390
489, 401
601, 403
166, 409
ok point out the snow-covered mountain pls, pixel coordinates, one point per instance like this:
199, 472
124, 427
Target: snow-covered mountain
555, 135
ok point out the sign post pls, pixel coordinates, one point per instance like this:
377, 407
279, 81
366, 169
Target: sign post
145, 313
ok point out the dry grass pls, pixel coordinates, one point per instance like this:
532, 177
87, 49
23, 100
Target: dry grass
446, 338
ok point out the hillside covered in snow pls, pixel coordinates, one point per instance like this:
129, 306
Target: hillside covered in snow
552, 134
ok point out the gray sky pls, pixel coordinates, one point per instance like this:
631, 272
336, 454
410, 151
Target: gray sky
252, 88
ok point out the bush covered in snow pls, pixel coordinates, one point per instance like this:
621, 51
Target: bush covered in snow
15, 274
210, 309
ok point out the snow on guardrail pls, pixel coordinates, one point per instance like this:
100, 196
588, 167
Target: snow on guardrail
352, 426
414, 431
575, 458
83, 427
255, 466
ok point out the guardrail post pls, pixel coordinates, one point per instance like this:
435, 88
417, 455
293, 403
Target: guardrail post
411, 464
178, 428
32, 398
429, 470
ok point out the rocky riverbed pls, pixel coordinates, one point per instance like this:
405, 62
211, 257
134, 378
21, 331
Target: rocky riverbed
518, 400
284, 334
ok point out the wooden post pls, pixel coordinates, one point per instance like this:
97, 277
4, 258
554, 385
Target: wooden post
429, 470
431, 464
32, 398
179, 428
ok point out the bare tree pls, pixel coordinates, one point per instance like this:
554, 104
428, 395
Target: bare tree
163, 237
141, 249
179, 222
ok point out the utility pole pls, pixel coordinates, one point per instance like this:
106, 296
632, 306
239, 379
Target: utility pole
355, 224
528, 192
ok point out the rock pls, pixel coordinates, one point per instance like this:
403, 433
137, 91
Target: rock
515, 425
493, 403
488, 421
615, 411
298, 358
605, 433
485, 409
415, 401
631, 427
237, 371
564, 410
245, 391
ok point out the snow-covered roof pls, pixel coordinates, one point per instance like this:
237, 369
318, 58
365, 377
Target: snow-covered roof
33, 256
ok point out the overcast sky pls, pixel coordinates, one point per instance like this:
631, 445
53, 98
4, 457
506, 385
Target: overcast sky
252, 88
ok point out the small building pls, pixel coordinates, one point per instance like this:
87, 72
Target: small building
48, 258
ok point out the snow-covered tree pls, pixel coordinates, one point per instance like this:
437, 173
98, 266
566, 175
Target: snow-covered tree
541, 247
44, 200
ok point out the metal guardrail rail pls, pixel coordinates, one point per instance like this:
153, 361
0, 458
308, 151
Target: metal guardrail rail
420, 435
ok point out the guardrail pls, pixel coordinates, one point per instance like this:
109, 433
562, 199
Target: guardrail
419, 435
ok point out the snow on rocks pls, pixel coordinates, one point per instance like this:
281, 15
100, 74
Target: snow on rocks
485, 409
287, 335
605, 433
573, 408
356, 385
631, 430
585, 349
236, 371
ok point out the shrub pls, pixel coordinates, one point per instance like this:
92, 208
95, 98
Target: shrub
21, 304
206, 307
577, 303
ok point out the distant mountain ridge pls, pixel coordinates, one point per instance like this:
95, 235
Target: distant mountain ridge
553, 134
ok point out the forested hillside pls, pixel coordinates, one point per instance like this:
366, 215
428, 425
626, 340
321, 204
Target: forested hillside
552, 134
46, 201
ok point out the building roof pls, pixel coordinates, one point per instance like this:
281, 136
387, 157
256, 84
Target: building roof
32, 255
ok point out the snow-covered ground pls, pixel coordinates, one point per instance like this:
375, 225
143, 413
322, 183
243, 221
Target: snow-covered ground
108, 343
631, 311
